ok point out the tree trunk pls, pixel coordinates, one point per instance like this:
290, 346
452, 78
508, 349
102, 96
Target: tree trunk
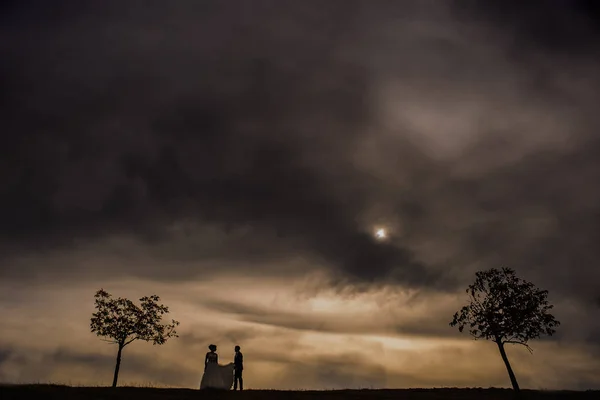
116, 376
511, 374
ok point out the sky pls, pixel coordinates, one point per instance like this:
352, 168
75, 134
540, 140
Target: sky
237, 158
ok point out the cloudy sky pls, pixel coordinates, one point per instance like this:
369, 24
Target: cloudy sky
237, 157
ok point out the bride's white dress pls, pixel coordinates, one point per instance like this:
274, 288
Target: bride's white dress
217, 376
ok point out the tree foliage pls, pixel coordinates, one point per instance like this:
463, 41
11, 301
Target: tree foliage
122, 321
505, 309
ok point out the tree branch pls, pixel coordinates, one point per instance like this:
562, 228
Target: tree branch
130, 340
521, 343
510, 339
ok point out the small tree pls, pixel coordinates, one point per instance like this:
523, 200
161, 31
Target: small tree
122, 322
505, 309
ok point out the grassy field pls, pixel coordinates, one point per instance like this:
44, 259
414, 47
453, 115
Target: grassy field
46, 392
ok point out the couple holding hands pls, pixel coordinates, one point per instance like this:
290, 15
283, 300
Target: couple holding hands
222, 376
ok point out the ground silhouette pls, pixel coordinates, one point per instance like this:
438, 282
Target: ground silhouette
46, 392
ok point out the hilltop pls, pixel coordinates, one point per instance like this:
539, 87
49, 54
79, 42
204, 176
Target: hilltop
47, 392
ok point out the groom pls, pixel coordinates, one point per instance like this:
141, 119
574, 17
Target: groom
238, 367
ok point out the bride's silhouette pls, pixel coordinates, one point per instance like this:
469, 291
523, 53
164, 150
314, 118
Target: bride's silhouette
216, 376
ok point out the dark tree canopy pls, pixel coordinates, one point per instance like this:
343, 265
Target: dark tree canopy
505, 309
122, 321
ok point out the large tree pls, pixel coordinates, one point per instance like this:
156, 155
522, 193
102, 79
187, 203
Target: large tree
122, 322
506, 310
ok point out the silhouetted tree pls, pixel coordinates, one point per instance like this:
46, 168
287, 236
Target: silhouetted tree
122, 322
505, 309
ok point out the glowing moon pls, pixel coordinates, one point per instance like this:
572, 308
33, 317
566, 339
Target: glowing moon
380, 234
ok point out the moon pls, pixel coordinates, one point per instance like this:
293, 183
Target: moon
380, 233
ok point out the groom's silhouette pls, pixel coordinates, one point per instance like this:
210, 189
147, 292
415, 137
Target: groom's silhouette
238, 367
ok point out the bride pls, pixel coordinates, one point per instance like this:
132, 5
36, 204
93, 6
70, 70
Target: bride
216, 376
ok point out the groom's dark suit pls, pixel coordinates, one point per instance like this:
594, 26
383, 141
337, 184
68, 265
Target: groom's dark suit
238, 367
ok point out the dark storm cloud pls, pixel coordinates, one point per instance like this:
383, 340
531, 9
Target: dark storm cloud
564, 26
123, 119
115, 125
